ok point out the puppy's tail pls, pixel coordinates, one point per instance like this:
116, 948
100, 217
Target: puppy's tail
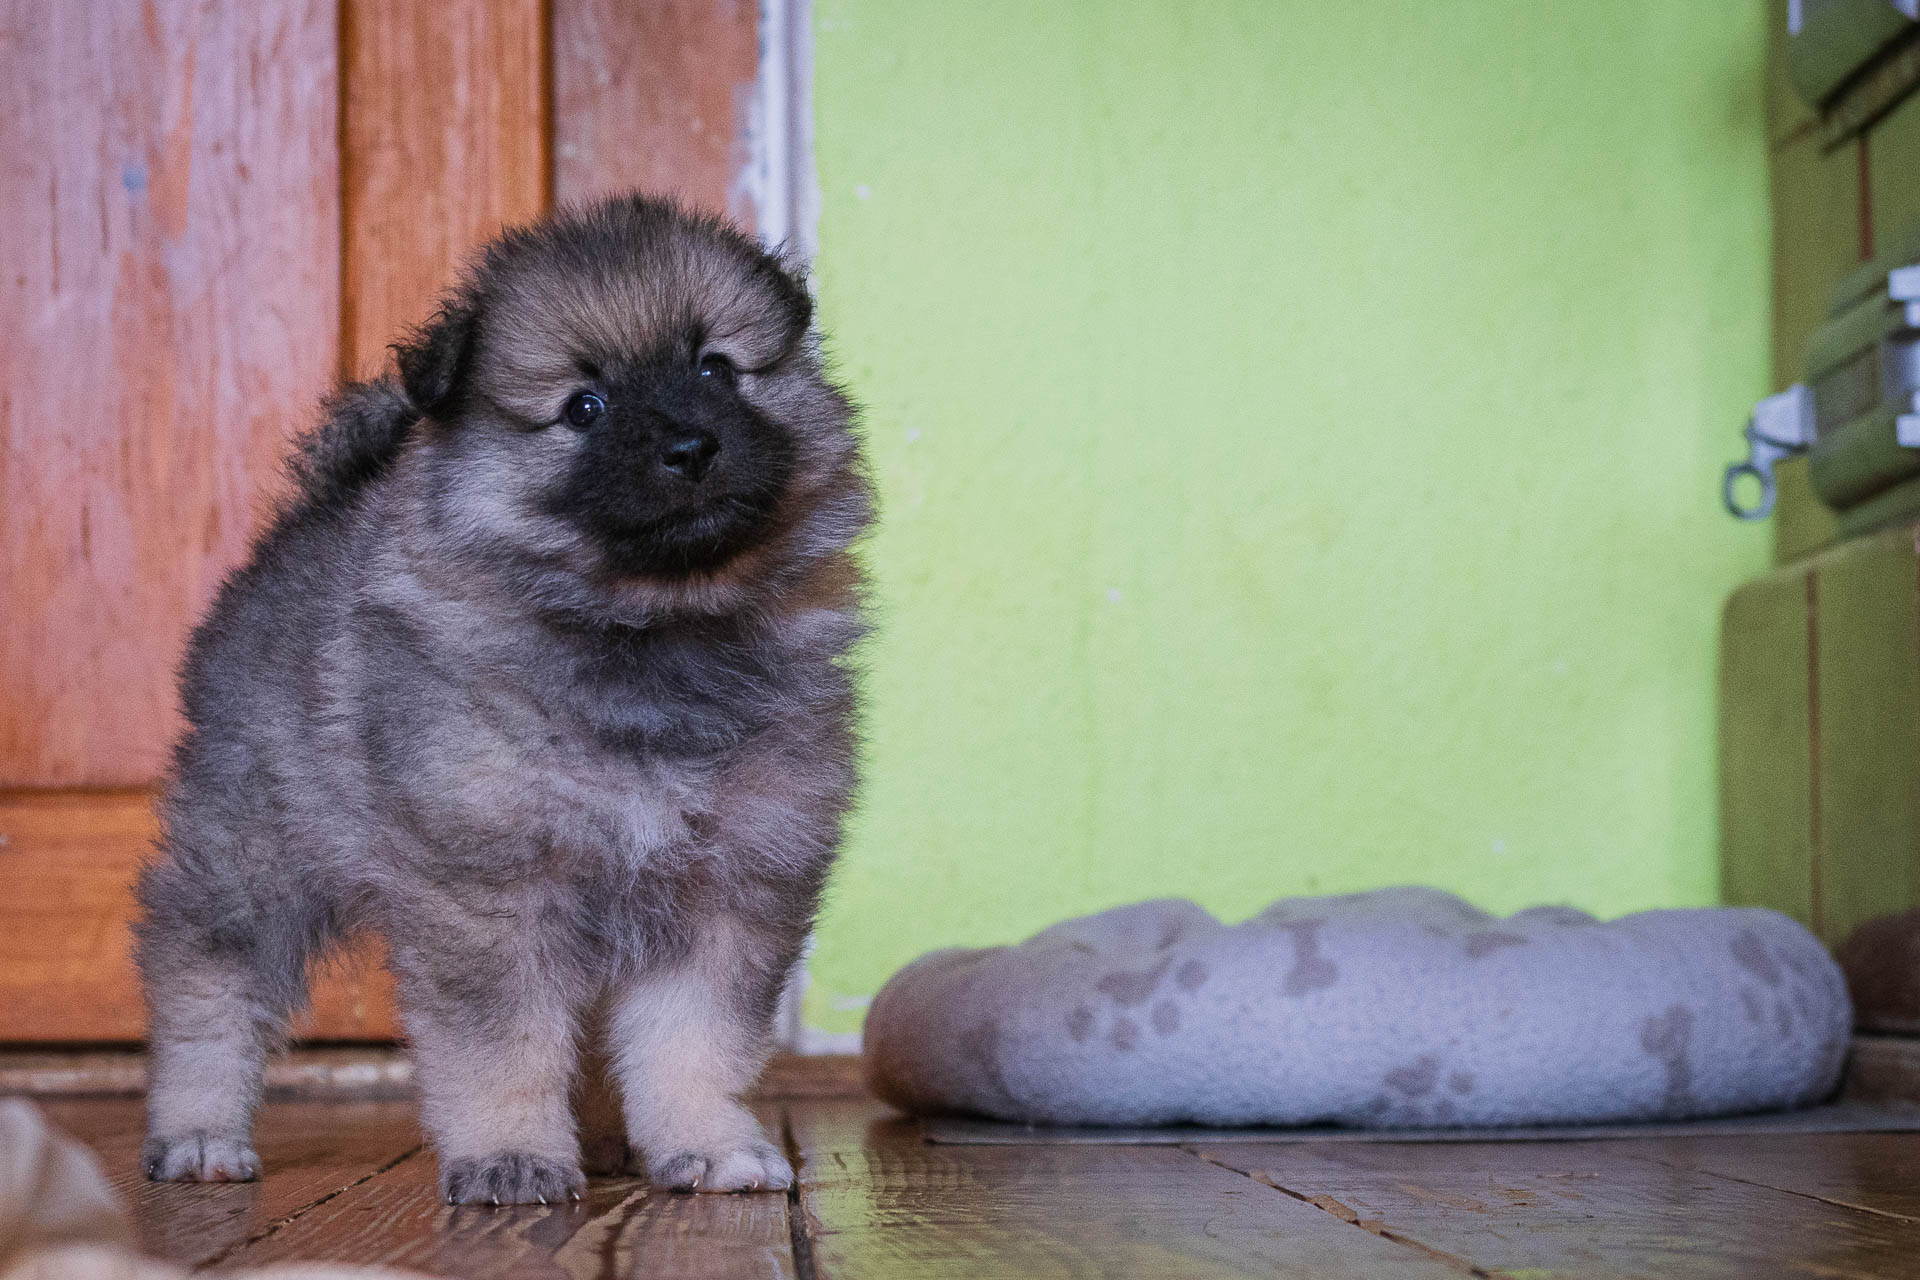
366, 424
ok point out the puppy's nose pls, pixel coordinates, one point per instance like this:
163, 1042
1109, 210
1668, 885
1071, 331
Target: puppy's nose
690, 454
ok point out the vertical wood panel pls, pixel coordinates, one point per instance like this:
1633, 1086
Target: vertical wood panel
1766, 819
1816, 241
1786, 113
169, 261
67, 866
1895, 182
655, 97
1868, 668
444, 142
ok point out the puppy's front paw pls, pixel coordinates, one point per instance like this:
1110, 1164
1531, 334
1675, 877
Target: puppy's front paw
199, 1157
751, 1166
510, 1177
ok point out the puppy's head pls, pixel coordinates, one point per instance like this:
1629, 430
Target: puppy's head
624, 400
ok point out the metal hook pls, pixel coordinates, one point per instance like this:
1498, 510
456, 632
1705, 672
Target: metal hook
1762, 453
1781, 427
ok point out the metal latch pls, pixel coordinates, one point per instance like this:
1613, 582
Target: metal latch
1781, 426
1857, 413
1903, 286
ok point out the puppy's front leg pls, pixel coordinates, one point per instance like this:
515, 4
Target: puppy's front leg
685, 1041
495, 1049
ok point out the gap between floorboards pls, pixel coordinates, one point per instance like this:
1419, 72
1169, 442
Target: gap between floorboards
799, 1236
1334, 1208
287, 1219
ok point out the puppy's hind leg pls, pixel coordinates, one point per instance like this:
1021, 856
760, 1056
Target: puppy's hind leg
220, 984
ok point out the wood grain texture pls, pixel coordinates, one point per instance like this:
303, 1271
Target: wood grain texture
621, 1228
1868, 668
1875, 1172
444, 142
167, 184
880, 1202
67, 867
309, 1151
345, 1183
1585, 1209
1766, 766
655, 97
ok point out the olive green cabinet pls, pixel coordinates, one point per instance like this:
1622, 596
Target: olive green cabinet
1820, 659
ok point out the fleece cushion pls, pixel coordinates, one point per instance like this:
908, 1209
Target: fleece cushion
1398, 1008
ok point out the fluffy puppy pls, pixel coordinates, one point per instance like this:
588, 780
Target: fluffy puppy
541, 676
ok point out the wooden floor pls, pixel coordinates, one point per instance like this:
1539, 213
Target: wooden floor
350, 1181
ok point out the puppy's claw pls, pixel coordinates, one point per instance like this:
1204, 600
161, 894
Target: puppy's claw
751, 1166
509, 1177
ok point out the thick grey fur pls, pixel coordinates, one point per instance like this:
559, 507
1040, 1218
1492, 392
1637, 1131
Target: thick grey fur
574, 734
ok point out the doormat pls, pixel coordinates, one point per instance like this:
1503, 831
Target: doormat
1845, 1116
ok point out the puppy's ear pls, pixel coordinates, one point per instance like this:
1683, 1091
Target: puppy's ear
434, 358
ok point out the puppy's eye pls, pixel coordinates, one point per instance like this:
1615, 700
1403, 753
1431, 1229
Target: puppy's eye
583, 410
717, 367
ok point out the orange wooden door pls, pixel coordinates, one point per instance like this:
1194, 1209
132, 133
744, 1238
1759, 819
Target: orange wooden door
209, 211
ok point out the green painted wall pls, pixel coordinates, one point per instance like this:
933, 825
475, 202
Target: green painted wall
1298, 429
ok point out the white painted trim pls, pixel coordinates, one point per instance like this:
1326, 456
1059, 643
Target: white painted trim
781, 178
785, 191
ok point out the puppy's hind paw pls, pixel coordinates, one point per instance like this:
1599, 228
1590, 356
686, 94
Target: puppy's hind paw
751, 1166
510, 1177
199, 1157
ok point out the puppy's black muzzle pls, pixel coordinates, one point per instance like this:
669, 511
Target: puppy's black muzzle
682, 473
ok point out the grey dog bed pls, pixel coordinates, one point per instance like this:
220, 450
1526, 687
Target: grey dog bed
1394, 1009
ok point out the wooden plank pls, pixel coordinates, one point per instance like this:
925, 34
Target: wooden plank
1766, 780
1876, 1172
444, 142
1894, 181
360, 1072
1816, 241
621, 1228
655, 98
1579, 1209
308, 1151
879, 1202
67, 866
1787, 114
167, 181
1801, 522
827, 1075
1868, 669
